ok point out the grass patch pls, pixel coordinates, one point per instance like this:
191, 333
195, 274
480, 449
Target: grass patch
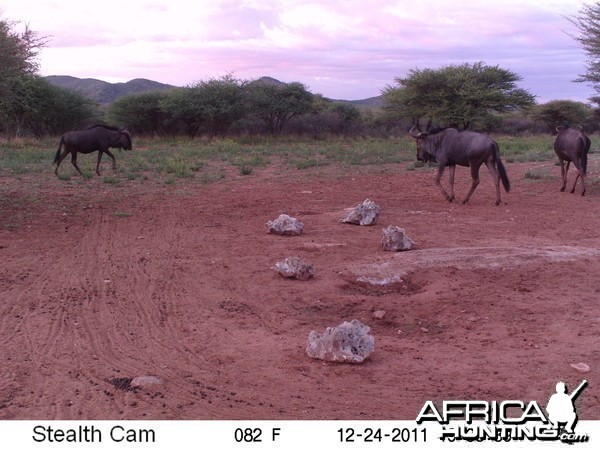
111, 180
311, 162
245, 170
415, 165
538, 173
174, 159
123, 214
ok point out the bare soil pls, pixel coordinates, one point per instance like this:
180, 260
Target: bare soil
103, 283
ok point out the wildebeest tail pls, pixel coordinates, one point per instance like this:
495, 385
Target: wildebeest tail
502, 171
585, 145
57, 155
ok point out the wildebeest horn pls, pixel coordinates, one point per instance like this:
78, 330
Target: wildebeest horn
413, 134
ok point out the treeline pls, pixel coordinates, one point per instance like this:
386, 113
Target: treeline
230, 107
474, 96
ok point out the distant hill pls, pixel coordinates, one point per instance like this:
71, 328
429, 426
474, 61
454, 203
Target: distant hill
371, 102
106, 93
267, 81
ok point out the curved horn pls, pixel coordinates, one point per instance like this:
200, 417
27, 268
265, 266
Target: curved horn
412, 133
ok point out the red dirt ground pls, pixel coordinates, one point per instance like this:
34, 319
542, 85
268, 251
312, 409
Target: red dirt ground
101, 283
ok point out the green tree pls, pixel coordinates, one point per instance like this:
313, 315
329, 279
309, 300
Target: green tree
277, 104
208, 106
18, 52
222, 102
563, 112
456, 95
141, 113
588, 23
41, 109
184, 111
340, 117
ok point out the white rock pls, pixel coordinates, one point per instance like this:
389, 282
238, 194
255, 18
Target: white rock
379, 314
294, 267
365, 213
285, 225
146, 381
394, 239
349, 342
582, 367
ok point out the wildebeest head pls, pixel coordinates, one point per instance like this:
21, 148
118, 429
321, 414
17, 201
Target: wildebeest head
425, 146
124, 140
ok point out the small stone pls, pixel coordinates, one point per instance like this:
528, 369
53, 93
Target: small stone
379, 314
285, 225
294, 267
146, 381
365, 213
424, 330
582, 367
394, 239
349, 342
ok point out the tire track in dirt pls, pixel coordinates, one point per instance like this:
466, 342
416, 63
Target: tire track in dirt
105, 291
137, 294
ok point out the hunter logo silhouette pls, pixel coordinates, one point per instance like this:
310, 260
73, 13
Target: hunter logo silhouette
561, 407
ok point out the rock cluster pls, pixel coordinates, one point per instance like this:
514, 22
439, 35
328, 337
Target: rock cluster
394, 239
349, 342
294, 267
365, 213
285, 225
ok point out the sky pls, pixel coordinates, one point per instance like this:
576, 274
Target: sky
342, 49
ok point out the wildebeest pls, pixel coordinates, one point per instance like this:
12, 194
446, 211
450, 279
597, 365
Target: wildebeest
572, 145
97, 138
449, 147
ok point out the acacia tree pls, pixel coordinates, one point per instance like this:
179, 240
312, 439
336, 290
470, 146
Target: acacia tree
41, 109
564, 112
223, 102
588, 24
207, 106
141, 113
277, 104
18, 52
456, 95
183, 110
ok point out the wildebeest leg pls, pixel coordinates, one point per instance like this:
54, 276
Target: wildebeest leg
98, 164
475, 177
74, 161
62, 156
491, 165
438, 181
564, 167
451, 170
113, 159
579, 174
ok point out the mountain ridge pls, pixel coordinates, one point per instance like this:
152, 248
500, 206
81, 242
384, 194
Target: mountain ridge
105, 93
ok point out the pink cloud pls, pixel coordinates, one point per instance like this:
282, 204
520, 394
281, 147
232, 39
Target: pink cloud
336, 47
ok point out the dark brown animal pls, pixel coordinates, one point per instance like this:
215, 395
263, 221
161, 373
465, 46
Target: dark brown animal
450, 147
572, 146
97, 138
